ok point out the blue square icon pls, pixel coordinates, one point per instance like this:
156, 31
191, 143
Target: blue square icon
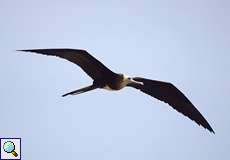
10, 148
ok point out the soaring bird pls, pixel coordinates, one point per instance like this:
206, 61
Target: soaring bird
104, 78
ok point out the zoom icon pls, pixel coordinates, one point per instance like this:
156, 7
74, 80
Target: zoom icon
10, 148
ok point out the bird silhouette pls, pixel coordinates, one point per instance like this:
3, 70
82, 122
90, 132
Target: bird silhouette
104, 78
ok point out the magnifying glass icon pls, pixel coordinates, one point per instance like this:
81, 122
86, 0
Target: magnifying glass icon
9, 147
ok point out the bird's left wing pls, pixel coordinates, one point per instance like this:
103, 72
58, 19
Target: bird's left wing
93, 67
168, 93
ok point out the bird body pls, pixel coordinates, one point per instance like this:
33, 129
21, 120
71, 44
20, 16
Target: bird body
106, 79
118, 83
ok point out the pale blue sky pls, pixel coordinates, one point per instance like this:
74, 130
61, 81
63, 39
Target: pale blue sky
180, 41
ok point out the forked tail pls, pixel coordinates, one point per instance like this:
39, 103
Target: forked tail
82, 90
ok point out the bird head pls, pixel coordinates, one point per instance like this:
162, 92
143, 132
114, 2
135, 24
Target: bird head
127, 80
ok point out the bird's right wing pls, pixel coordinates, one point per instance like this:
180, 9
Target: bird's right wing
94, 68
168, 93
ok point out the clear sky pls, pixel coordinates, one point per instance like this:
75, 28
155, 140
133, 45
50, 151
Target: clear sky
185, 42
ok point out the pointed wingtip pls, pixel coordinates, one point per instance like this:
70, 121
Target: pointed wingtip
212, 131
23, 50
64, 95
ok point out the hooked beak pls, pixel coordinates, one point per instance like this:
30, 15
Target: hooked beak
131, 80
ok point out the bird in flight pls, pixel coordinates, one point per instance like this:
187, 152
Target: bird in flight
104, 78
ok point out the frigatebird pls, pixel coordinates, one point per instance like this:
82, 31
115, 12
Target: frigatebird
104, 78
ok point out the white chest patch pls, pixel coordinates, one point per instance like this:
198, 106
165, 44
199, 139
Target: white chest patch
108, 88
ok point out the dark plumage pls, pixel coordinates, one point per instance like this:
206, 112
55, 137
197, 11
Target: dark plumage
107, 79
